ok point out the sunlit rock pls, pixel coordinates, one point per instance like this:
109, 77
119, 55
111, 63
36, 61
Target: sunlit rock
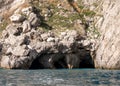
17, 18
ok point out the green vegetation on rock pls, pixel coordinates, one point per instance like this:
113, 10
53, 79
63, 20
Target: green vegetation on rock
3, 26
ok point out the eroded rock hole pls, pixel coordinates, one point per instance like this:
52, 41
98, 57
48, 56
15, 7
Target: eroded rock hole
63, 61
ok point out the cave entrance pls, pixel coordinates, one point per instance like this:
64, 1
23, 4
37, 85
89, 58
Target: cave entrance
42, 62
36, 64
87, 62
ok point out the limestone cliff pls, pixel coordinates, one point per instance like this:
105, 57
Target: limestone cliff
102, 28
25, 45
108, 51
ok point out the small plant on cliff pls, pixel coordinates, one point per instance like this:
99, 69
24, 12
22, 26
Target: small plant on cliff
3, 26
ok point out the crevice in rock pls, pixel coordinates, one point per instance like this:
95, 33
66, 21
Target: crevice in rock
19, 31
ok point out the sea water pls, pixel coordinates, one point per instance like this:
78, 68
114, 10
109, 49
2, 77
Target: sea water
61, 77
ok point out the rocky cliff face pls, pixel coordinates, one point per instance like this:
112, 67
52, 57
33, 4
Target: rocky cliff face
108, 51
103, 32
106, 20
25, 46
107, 55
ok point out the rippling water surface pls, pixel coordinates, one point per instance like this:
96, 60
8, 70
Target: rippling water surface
63, 77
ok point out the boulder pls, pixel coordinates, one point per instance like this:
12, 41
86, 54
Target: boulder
34, 20
4, 63
13, 29
27, 10
12, 40
17, 18
45, 36
50, 39
26, 26
20, 51
23, 62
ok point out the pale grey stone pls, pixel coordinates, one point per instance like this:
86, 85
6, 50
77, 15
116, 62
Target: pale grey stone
27, 10
33, 19
16, 18
5, 62
51, 39
26, 26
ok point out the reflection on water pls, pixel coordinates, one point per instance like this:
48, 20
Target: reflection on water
63, 77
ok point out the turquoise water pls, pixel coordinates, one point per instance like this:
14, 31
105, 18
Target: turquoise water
63, 77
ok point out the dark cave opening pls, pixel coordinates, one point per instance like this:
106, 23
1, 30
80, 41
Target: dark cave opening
87, 63
36, 65
42, 62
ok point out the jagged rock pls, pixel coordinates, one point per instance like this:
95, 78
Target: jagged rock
50, 39
5, 34
5, 62
24, 62
107, 52
81, 27
17, 18
23, 40
9, 51
68, 46
63, 34
11, 40
12, 29
20, 62
34, 20
69, 35
26, 26
27, 10
35, 36
45, 47
32, 54
27, 46
45, 36
20, 51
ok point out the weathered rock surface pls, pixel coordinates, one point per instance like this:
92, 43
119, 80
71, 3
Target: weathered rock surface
7, 8
23, 46
108, 51
17, 18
